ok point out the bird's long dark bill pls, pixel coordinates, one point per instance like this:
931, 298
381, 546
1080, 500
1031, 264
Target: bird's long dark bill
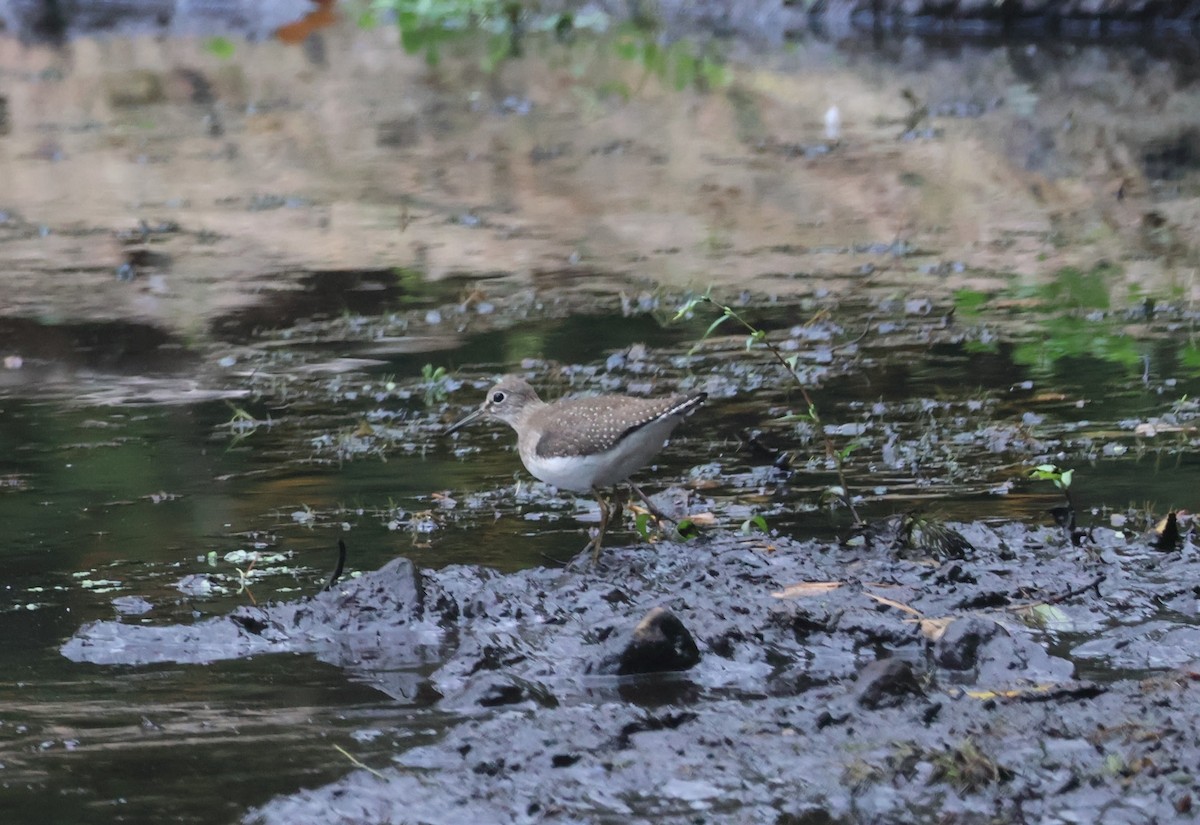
453, 428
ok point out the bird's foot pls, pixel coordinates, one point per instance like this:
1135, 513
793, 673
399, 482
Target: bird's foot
593, 544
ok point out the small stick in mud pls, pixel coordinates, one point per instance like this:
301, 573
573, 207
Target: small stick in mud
1069, 593
654, 511
337, 571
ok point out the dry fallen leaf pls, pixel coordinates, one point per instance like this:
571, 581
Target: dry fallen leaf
932, 629
1013, 693
892, 603
802, 589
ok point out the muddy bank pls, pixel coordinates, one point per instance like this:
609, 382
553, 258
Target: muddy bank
782, 681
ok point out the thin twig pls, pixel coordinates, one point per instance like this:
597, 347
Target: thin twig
830, 451
356, 762
1070, 593
866, 331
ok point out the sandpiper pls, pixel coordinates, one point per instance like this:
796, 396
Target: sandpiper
584, 444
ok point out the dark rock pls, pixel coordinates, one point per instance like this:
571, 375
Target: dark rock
658, 643
131, 605
493, 690
808, 816
825, 719
886, 683
803, 619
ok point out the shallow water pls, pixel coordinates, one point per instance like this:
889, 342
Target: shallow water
549, 218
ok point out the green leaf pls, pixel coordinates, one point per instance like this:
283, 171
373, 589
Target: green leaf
499, 47
685, 71
713, 326
687, 529
1073, 287
1190, 357
1050, 617
1051, 472
411, 39
626, 49
616, 88
716, 76
755, 337
754, 523
222, 47
652, 58
968, 302
686, 309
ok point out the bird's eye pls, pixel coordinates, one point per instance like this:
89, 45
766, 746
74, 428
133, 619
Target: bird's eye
497, 397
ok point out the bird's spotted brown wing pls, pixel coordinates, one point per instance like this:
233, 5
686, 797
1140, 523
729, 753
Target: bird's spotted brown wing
586, 426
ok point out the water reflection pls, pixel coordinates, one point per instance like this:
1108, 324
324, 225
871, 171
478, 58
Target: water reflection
197, 233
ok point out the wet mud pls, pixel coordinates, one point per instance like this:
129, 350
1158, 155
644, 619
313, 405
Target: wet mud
775, 681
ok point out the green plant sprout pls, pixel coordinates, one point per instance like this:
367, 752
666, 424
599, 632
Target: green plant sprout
790, 364
242, 424
434, 379
1065, 515
1051, 472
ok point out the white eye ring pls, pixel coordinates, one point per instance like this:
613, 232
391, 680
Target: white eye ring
497, 397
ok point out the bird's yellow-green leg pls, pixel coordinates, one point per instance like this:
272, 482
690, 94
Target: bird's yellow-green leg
598, 539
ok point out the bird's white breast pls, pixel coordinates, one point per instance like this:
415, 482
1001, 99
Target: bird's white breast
581, 473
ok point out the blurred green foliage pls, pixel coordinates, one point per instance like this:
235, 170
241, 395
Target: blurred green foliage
428, 26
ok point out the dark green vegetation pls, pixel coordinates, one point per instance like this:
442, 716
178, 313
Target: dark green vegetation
1076, 318
429, 28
